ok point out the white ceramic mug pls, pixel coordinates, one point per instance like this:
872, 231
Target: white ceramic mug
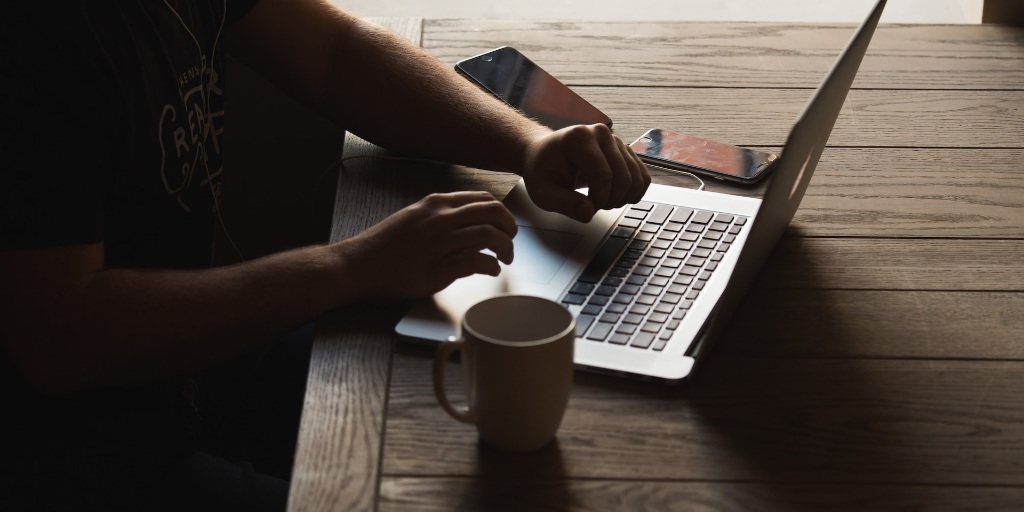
517, 357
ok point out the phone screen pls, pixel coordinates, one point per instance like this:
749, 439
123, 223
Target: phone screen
687, 152
515, 79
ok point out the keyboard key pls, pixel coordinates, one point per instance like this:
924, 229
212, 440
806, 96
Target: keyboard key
630, 223
651, 327
671, 298
646, 237
582, 288
661, 342
637, 280
664, 272
631, 289
674, 227
648, 261
650, 227
622, 232
626, 329
618, 339
643, 340
713, 235
602, 260
664, 309
653, 290
638, 245
696, 261
704, 276
728, 239
644, 205
591, 309
623, 299
689, 237
616, 308
693, 294
600, 331
677, 289
583, 323
671, 263
636, 213
673, 325
723, 218
610, 318
660, 214
668, 236
605, 291
656, 253
639, 309
598, 301
660, 280
699, 285
740, 221
611, 281
735, 230
686, 304
574, 299
658, 318
619, 272
703, 253
679, 253
683, 280
702, 217
719, 226
642, 270
646, 300
694, 228
681, 215
661, 244
711, 266
632, 319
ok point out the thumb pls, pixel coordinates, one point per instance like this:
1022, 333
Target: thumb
570, 203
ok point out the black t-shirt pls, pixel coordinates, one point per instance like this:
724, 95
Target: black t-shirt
114, 119
112, 132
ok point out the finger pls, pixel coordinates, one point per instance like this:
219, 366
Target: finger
622, 178
456, 199
479, 238
492, 212
468, 263
640, 179
586, 157
562, 200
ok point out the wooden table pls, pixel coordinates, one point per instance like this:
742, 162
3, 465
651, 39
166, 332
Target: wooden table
879, 359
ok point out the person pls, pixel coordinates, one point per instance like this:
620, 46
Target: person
129, 363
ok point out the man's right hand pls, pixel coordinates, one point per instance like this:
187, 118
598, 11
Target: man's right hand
423, 248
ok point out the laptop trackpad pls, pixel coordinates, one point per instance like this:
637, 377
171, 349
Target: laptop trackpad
540, 254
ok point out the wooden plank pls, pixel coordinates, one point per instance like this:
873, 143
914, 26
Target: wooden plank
888, 264
915, 193
632, 53
445, 494
878, 118
338, 453
790, 421
905, 192
876, 324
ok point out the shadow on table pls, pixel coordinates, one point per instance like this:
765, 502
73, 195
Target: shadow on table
785, 407
502, 482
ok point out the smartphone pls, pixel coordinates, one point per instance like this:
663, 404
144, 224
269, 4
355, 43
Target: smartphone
710, 158
516, 80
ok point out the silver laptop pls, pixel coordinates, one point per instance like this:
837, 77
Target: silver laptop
653, 284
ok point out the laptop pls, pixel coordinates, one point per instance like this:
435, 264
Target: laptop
653, 284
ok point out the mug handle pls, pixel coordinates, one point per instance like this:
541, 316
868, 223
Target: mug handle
464, 414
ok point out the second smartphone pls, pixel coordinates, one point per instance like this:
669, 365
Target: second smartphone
711, 158
518, 81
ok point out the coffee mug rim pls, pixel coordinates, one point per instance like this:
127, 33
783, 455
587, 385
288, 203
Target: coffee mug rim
482, 337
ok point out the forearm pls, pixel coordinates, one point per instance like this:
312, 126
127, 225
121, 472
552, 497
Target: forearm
380, 86
128, 325
419, 106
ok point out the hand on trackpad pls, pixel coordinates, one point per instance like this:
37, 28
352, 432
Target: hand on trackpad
539, 254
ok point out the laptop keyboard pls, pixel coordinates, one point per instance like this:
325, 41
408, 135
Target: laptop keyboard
643, 280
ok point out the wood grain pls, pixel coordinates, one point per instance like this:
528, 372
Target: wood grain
776, 55
878, 358
766, 420
411, 494
338, 453
763, 117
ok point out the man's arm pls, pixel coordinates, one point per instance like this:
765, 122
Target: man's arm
70, 323
391, 92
